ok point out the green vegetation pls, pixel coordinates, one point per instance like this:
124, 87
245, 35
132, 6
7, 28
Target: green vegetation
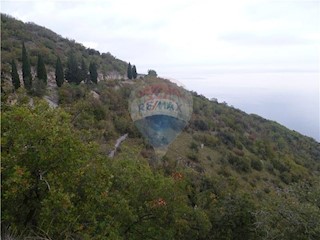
73, 73
42, 41
14, 75
26, 69
84, 72
134, 72
228, 175
152, 73
129, 71
59, 73
41, 70
93, 72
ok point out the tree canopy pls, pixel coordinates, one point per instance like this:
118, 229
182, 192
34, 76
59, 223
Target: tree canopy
73, 72
59, 73
41, 70
129, 71
93, 72
14, 75
26, 69
134, 72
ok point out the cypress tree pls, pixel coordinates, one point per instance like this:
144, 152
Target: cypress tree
72, 72
129, 71
41, 70
26, 69
93, 72
59, 73
84, 72
14, 75
134, 72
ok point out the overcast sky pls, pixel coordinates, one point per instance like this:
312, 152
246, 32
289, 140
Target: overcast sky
228, 34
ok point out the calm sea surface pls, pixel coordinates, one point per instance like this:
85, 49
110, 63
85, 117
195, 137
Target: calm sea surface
290, 98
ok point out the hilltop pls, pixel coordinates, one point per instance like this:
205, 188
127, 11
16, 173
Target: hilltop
40, 40
228, 175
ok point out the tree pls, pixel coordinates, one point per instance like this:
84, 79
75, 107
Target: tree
14, 75
73, 72
59, 73
31, 182
26, 69
134, 72
152, 73
41, 70
39, 87
129, 71
84, 72
93, 72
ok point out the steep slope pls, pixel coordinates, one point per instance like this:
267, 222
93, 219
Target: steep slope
40, 40
229, 175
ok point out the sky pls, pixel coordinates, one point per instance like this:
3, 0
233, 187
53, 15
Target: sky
229, 34
176, 37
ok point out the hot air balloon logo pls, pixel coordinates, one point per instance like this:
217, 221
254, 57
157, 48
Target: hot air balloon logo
160, 109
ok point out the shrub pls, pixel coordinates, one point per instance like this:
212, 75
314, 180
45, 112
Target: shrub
256, 164
277, 164
194, 147
239, 164
193, 156
200, 125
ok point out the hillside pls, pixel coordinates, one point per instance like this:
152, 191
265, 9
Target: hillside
228, 175
40, 40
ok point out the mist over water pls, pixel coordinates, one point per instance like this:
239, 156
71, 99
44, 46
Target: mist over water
287, 97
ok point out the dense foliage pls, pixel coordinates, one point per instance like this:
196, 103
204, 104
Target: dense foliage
93, 72
14, 75
58, 182
41, 70
129, 71
42, 41
229, 175
26, 69
134, 72
59, 73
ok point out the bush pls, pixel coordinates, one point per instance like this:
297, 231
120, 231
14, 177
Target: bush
39, 88
194, 147
256, 164
193, 156
207, 139
239, 163
201, 125
277, 164
286, 177
69, 93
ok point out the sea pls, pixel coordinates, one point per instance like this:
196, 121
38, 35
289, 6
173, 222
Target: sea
290, 98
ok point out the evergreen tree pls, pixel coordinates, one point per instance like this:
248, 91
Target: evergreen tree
14, 75
134, 72
73, 73
59, 73
84, 72
129, 71
152, 73
26, 69
93, 72
41, 70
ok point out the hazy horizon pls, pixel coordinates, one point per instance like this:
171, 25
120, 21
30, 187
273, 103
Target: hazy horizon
289, 98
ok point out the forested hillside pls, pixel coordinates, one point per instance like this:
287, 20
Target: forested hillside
228, 175
42, 41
